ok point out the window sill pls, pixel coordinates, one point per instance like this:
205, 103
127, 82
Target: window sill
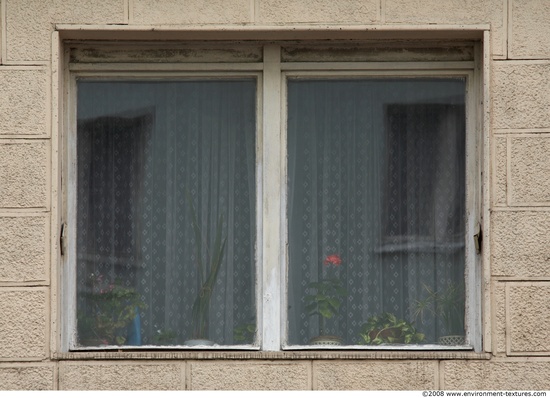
271, 355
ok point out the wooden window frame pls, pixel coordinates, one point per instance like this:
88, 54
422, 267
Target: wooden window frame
271, 73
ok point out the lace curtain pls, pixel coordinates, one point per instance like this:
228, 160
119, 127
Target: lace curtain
376, 193
376, 180
152, 157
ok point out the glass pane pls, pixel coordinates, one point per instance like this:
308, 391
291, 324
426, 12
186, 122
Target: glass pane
376, 213
166, 212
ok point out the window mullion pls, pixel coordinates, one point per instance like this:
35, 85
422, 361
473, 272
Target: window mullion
272, 247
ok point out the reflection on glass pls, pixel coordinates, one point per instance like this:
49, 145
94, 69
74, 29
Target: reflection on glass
376, 212
166, 212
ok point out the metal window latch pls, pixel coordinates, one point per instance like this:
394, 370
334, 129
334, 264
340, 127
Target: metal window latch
478, 238
63, 238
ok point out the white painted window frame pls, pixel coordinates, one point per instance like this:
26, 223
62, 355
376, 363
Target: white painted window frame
271, 199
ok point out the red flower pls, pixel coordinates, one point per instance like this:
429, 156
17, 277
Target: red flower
333, 259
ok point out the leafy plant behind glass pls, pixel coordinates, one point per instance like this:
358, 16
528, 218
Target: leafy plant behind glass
208, 267
164, 336
245, 333
386, 328
447, 305
111, 307
327, 299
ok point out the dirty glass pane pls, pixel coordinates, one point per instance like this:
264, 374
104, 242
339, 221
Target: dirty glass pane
376, 211
166, 212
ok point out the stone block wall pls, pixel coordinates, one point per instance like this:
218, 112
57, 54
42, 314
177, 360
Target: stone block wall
516, 314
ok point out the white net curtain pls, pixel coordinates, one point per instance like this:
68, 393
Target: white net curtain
376, 196
150, 155
376, 178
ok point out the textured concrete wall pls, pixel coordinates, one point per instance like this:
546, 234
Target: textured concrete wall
305, 11
528, 306
23, 102
24, 248
195, 12
520, 99
504, 374
24, 376
250, 375
451, 12
376, 375
516, 249
118, 375
528, 29
23, 323
29, 23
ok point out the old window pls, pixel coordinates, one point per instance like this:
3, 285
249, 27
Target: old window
288, 197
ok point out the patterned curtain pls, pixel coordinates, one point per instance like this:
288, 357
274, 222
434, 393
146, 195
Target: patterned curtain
376, 202
164, 167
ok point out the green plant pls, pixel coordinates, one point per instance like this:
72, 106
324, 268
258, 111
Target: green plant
208, 267
328, 295
111, 307
447, 305
386, 328
245, 333
164, 337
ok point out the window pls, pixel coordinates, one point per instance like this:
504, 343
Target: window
289, 197
165, 210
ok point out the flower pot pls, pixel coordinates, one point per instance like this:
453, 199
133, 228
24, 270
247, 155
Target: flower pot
93, 342
452, 340
199, 342
386, 334
326, 340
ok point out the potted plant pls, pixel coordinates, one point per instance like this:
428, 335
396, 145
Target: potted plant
386, 328
208, 265
111, 311
326, 299
447, 305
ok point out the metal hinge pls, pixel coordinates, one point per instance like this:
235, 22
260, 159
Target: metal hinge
478, 238
63, 238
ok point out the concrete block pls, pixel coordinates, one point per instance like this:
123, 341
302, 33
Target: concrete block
500, 172
521, 94
23, 101
116, 375
191, 11
23, 248
23, 325
495, 375
29, 23
530, 170
529, 35
311, 11
453, 12
375, 375
249, 375
26, 377
528, 320
89, 11
23, 174
28, 29
520, 244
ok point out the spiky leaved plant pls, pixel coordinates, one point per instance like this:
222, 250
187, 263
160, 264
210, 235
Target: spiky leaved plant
208, 267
